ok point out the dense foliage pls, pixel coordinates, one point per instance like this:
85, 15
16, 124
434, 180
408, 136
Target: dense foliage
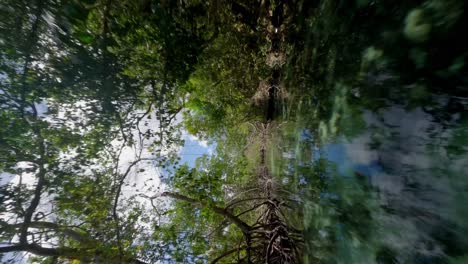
338, 127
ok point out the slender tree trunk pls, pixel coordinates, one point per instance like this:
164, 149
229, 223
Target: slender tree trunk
32, 41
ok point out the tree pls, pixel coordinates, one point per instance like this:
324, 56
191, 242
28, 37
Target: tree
65, 203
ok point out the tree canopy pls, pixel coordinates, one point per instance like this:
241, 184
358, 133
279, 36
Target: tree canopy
335, 131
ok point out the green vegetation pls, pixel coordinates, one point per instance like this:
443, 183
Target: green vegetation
339, 131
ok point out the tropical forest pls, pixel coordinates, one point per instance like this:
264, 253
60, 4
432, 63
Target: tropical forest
233, 131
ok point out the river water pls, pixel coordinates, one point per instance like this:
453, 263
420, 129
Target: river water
376, 136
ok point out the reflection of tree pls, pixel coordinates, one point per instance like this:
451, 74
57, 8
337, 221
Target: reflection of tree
353, 76
271, 82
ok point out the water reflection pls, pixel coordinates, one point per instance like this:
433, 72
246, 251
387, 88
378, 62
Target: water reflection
356, 111
384, 99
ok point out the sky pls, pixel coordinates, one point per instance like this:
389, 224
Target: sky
143, 179
194, 148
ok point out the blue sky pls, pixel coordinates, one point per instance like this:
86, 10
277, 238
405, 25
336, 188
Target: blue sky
194, 148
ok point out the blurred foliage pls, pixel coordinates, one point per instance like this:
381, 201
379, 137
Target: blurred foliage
351, 64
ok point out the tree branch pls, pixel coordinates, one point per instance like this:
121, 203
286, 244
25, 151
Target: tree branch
225, 254
37, 191
67, 231
66, 252
46, 252
245, 200
245, 228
